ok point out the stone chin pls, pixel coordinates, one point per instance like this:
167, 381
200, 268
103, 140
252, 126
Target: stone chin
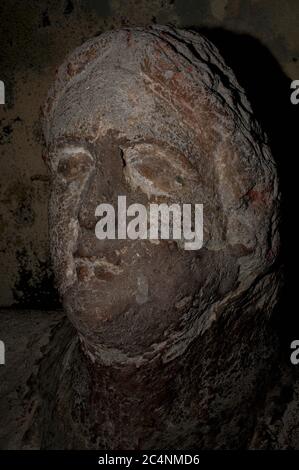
132, 305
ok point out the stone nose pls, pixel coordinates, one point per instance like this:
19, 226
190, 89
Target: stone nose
89, 201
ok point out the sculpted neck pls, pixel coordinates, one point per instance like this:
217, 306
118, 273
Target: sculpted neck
131, 404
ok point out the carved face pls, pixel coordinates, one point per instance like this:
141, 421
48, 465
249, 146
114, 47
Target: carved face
134, 113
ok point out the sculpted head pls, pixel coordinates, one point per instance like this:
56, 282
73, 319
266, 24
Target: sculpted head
156, 116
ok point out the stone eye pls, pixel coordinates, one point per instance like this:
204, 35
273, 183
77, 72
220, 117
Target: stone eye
74, 167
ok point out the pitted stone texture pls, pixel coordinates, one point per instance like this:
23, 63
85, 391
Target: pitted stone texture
156, 115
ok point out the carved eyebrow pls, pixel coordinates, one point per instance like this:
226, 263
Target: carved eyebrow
66, 151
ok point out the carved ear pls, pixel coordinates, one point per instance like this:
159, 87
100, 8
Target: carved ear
157, 171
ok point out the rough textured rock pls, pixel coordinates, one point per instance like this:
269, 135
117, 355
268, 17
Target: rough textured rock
173, 343
37, 36
47, 369
28, 337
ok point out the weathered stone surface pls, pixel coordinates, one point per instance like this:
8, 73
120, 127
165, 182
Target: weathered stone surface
36, 36
155, 114
47, 368
28, 336
175, 344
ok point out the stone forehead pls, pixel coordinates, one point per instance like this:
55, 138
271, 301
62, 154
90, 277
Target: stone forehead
150, 82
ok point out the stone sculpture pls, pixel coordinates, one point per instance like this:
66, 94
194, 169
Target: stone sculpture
173, 345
